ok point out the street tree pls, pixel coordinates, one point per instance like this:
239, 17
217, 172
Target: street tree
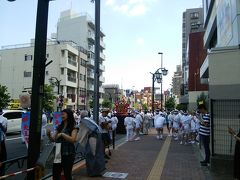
202, 99
170, 103
145, 107
107, 104
4, 97
48, 98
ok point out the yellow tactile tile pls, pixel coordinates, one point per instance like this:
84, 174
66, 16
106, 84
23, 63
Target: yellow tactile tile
158, 166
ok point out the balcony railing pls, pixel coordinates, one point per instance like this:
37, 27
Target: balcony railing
72, 62
91, 62
72, 79
102, 56
102, 67
90, 75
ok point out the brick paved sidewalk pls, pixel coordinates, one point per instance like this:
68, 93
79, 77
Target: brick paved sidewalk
150, 159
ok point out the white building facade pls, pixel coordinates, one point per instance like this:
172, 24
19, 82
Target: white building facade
68, 66
81, 29
221, 70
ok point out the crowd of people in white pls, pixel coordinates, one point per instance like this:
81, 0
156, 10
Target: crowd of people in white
182, 126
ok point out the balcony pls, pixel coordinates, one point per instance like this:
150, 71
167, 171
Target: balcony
72, 62
91, 38
90, 87
91, 62
72, 79
101, 90
102, 56
102, 44
102, 79
102, 67
90, 75
91, 48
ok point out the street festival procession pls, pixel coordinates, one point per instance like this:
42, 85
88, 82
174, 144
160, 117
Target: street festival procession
132, 89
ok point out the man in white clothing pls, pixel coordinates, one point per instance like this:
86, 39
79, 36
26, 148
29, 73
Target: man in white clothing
159, 121
129, 124
138, 123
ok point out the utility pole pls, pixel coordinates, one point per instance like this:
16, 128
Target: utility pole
37, 85
97, 57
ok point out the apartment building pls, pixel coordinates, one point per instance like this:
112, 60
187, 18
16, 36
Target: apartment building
176, 81
221, 69
196, 55
80, 28
192, 21
68, 67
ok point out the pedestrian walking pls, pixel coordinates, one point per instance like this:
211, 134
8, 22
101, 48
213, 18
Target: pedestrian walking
204, 132
138, 124
65, 137
146, 122
176, 124
236, 170
129, 125
105, 125
186, 127
159, 122
3, 152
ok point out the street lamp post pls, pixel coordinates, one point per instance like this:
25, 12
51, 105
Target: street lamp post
161, 82
57, 82
157, 76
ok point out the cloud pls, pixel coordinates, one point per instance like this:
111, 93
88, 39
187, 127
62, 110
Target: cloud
130, 7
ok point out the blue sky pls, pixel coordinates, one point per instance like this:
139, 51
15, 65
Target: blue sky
136, 30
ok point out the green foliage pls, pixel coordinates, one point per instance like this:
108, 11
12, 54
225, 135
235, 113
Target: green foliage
170, 103
91, 104
145, 107
202, 99
48, 98
4, 97
107, 104
181, 107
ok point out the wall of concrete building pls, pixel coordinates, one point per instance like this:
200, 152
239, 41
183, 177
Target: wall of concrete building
196, 56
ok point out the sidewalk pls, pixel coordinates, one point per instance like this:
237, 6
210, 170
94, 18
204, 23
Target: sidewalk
152, 159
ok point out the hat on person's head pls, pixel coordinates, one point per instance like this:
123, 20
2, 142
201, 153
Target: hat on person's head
105, 110
136, 111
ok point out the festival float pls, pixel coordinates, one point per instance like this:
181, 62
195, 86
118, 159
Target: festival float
122, 109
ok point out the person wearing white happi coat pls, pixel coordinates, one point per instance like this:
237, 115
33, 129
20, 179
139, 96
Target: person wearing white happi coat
185, 126
146, 122
176, 124
129, 125
159, 122
138, 124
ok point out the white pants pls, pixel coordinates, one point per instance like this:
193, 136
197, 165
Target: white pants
129, 134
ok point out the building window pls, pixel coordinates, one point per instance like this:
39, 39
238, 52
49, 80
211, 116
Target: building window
62, 70
83, 62
82, 92
28, 57
72, 61
27, 74
81, 77
194, 15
